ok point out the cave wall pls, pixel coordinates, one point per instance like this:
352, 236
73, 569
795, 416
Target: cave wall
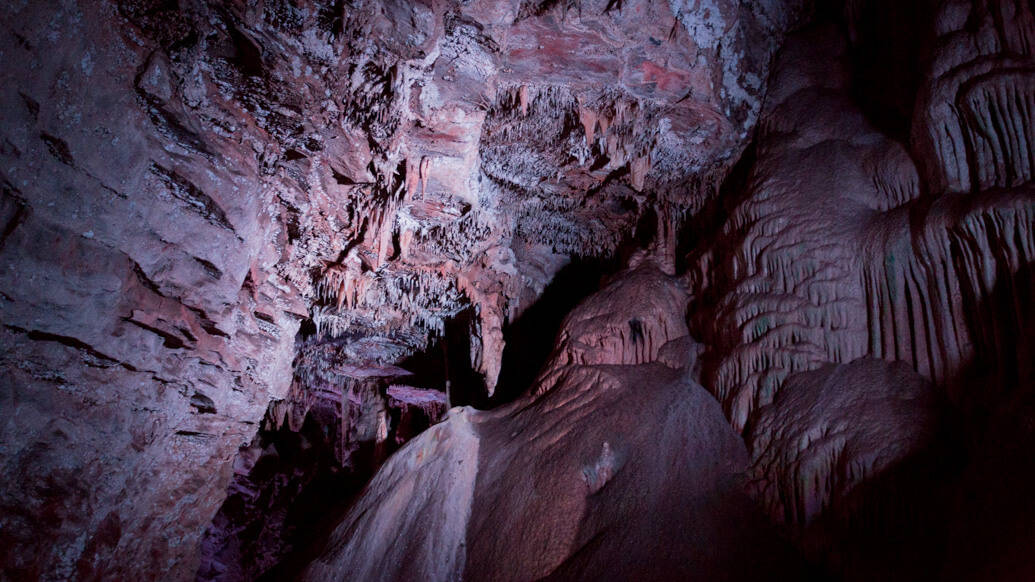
841, 246
145, 328
862, 298
249, 249
619, 466
847, 244
213, 213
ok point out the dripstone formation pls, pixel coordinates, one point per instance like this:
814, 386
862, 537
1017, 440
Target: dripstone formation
517, 290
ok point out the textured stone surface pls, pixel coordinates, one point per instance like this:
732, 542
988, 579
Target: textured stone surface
145, 329
833, 428
542, 489
184, 184
842, 243
832, 253
250, 249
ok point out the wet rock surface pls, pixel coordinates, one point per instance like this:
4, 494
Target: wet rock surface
541, 489
512, 289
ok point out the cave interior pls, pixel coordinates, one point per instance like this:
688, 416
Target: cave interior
517, 290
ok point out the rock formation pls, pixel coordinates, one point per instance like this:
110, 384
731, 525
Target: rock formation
542, 489
517, 289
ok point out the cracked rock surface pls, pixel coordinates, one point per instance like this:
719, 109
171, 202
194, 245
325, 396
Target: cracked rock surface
516, 289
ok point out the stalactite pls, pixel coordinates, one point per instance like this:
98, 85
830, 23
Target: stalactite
831, 429
925, 292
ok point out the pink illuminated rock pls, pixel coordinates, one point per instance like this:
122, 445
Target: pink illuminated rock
248, 250
635, 320
830, 255
543, 489
834, 428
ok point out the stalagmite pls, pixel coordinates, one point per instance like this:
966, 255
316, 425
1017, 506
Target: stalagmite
517, 290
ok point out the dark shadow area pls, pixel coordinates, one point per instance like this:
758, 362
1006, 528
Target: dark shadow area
893, 526
890, 40
295, 482
304, 543
703, 234
317, 507
530, 337
279, 513
703, 230
529, 341
286, 504
962, 509
446, 364
993, 533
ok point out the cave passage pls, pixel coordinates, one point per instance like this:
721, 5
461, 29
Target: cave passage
517, 290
